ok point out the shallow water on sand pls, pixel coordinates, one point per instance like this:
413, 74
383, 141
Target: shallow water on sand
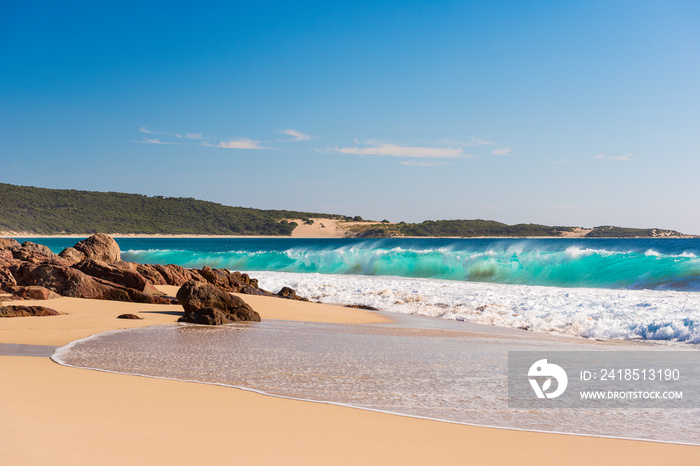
419, 367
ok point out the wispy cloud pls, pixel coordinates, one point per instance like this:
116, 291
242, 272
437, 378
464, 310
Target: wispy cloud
418, 163
400, 150
296, 135
173, 135
244, 143
502, 151
627, 157
155, 141
477, 141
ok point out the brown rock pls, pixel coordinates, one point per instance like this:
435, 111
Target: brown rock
173, 274
32, 252
117, 272
27, 311
8, 243
216, 277
6, 278
151, 274
101, 247
68, 281
206, 316
290, 293
361, 306
129, 316
245, 279
195, 296
32, 292
6, 258
72, 255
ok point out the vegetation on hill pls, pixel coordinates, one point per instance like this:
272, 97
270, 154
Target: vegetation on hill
54, 211
620, 232
476, 228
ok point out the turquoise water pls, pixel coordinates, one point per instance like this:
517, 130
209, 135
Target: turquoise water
656, 264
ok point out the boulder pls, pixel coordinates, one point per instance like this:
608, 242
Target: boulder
151, 274
101, 247
206, 316
218, 277
27, 311
31, 292
196, 296
72, 255
6, 278
33, 252
8, 243
290, 293
115, 273
174, 274
245, 279
6, 258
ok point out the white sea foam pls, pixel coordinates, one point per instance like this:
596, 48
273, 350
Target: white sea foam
586, 312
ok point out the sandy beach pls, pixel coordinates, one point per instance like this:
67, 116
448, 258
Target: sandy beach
60, 415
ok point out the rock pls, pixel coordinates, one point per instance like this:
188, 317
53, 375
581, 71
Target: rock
361, 306
31, 292
27, 311
33, 252
101, 247
216, 277
151, 274
72, 255
115, 273
206, 316
6, 278
174, 274
129, 316
195, 296
6, 258
245, 279
8, 243
290, 293
71, 282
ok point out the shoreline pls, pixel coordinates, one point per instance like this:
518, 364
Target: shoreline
92, 423
164, 236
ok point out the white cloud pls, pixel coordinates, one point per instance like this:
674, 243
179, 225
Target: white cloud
296, 135
244, 143
626, 157
502, 151
399, 150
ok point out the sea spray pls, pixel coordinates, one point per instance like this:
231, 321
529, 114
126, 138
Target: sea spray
584, 312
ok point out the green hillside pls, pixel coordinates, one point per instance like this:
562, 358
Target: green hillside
55, 211
58, 211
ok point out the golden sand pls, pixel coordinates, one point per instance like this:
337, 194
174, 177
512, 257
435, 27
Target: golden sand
50, 414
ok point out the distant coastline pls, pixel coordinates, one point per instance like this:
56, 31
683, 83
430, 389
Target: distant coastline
39, 212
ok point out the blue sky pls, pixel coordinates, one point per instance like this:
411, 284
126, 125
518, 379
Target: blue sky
563, 113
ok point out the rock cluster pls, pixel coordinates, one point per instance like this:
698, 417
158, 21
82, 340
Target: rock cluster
93, 269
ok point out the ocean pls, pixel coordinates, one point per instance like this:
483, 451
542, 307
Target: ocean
628, 289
